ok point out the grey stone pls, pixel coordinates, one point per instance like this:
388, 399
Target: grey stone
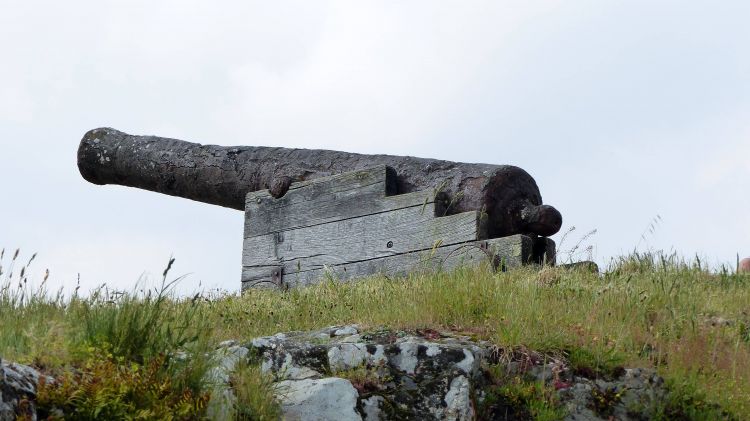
378, 356
458, 400
406, 360
586, 266
228, 360
467, 364
228, 343
291, 371
322, 336
18, 390
346, 356
346, 330
371, 408
262, 343
410, 376
432, 350
351, 339
326, 399
221, 404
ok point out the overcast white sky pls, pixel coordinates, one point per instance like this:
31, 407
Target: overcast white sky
621, 110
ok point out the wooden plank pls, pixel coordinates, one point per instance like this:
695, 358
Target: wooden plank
356, 239
329, 199
504, 253
264, 277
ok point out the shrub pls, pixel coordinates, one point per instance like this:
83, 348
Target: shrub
106, 387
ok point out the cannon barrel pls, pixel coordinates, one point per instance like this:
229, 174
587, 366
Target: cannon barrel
224, 175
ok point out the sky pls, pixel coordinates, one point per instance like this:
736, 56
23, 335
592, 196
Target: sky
633, 116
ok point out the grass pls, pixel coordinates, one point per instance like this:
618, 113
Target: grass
521, 400
254, 394
647, 310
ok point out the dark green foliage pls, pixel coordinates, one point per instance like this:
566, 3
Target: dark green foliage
104, 387
603, 401
514, 399
138, 326
685, 402
599, 363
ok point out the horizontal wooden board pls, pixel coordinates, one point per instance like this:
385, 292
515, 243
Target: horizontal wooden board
264, 277
506, 252
363, 238
328, 199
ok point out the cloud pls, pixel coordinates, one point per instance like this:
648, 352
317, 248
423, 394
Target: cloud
16, 103
726, 164
379, 77
620, 110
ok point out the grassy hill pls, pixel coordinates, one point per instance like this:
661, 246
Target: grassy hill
120, 351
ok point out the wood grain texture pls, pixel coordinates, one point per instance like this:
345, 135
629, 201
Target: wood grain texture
263, 277
350, 226
356, 239
503, 253
329, 199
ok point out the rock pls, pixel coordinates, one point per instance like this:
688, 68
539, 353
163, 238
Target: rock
346, 356
227, 344
406, 358
346, 330
718, 321
638, 389
221, 406
228, 360
422, 375
222, 402
17, 391
744, 266
586, 266
458, 400
325, 399
395, 373
371, 407
467, 364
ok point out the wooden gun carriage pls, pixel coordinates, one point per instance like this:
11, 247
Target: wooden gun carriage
312, 214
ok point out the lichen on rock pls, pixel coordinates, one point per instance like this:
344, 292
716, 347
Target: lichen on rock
441, 376
17, 391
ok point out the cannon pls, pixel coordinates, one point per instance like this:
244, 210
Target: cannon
505, 198
224, 175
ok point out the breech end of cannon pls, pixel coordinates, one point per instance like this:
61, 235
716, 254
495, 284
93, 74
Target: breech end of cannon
542, 220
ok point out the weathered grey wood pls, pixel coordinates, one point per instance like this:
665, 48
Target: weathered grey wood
329, 199
363, 238
264, 277
350, 226
503, 253
224, 175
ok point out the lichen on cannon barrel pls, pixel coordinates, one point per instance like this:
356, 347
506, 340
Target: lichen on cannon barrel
222, 176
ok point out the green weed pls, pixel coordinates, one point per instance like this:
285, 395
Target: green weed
255, 394
646, 310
